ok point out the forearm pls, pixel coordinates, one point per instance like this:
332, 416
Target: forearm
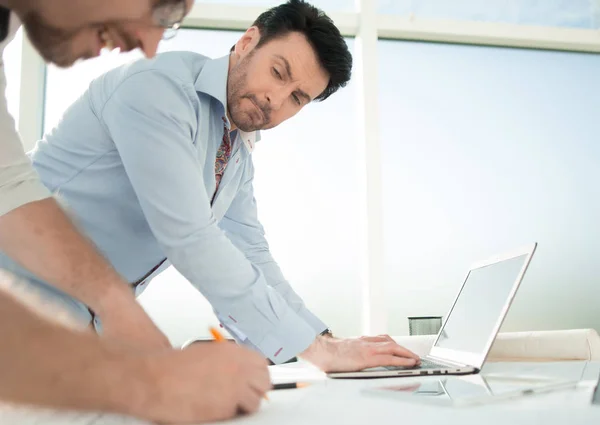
46, 365
40, 237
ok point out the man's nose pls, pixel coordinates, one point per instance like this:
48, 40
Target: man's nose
276, 98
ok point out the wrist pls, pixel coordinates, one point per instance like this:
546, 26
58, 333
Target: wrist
321, 352
132, 380
115, 296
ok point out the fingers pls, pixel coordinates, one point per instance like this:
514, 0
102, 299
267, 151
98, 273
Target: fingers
389, 360
249, 400
378, 338
391, 348
260, 381
257, 381
387, 337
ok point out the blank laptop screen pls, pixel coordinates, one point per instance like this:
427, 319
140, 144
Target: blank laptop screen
479, 305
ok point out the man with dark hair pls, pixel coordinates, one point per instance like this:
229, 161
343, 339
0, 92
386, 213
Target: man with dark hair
133, 369
154, 162
321, 34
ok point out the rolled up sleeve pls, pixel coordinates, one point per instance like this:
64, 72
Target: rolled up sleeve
153, 122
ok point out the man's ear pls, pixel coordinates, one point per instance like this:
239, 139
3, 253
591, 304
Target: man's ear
247, 42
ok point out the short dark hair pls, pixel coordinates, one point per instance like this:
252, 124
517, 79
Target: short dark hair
319, 30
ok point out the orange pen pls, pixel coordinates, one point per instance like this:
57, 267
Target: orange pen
218, 336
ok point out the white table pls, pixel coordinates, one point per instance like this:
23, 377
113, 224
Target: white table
342, 402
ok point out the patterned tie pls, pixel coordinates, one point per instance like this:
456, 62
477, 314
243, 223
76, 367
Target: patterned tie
223, 155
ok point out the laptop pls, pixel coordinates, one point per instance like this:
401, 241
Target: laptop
475, 317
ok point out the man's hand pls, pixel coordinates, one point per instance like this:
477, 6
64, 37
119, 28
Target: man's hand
46, 365
125, 321
203, 383
348, 355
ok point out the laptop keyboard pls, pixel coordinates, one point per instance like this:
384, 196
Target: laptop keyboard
425, 364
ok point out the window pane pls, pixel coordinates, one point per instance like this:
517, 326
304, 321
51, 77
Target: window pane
485, 149
306, 179
12, 68
558, 13
326, 5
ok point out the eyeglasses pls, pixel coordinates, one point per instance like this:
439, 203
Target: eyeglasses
169, 14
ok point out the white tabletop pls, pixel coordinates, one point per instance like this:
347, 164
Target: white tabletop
329, 401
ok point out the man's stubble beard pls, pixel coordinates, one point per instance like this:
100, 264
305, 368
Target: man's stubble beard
236, 84
52, 43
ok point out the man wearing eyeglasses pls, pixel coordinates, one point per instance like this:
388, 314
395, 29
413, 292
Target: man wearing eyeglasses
45, 364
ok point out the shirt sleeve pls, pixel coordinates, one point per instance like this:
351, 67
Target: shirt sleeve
19, 183
243, 228
152, 120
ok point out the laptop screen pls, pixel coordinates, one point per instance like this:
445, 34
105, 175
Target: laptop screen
479, 306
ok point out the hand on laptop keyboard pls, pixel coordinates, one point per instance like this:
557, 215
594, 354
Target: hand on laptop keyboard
347, 355
425, 364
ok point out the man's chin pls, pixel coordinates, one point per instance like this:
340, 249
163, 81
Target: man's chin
58, 60
248, 128
246, 125
62, 63
62, 60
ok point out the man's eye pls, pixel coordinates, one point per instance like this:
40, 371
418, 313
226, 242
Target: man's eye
277, 74
296, 99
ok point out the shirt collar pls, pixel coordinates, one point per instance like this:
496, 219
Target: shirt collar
249, 139
212, 80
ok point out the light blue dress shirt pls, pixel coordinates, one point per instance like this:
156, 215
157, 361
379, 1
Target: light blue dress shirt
133, 162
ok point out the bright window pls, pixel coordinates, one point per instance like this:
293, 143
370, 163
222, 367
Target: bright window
553, 13
12, 68
485, 149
